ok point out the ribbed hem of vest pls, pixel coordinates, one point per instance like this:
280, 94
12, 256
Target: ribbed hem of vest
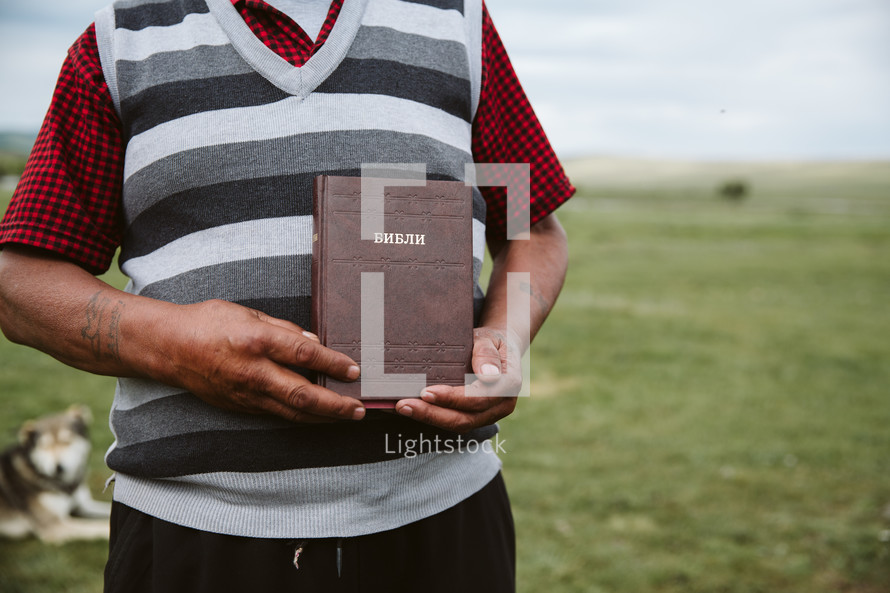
343, 501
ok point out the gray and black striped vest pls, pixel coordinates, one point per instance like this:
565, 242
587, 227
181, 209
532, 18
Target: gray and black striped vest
223, 139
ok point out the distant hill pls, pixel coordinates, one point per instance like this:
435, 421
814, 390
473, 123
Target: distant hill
641, 173
614, 176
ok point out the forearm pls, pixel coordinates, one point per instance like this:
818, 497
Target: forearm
544, 256
59, 308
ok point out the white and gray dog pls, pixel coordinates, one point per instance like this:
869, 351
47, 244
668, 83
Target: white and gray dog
42, 489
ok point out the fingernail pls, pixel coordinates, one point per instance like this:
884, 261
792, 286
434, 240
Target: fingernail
353, 372
358, 414
406, 411
310, 335
428, 396
490, 369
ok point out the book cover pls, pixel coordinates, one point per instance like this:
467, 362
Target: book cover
407, 287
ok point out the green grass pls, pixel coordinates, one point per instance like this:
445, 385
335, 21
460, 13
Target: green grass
709, 408
712, 405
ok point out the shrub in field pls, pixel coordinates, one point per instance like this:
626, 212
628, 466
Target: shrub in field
734, 190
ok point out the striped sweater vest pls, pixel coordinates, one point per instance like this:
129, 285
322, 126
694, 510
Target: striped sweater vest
223, 139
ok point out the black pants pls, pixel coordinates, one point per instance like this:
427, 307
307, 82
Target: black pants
467, 548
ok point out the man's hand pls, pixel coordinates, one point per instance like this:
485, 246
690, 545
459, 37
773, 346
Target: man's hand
237, 359
496, 363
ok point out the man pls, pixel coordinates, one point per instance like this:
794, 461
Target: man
187, 133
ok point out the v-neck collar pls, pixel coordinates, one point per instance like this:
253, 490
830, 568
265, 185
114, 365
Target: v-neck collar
298, 81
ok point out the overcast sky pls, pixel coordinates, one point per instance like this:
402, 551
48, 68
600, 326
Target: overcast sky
730, 79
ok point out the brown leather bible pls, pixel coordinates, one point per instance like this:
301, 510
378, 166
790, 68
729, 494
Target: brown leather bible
406, 287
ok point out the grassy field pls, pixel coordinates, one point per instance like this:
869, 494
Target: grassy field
710, 405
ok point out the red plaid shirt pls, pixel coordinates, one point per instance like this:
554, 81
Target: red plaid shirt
68, 200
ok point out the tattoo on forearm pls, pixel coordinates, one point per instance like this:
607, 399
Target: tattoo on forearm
114, 331
103, 341
543, 303
91, 332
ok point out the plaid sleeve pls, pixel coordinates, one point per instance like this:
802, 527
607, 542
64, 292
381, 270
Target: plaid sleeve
68, 199
506, 130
